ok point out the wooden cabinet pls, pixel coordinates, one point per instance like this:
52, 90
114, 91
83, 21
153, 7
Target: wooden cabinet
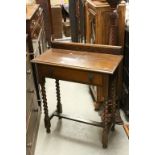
98, 22
98, 26
33, 110
35, 29
36, 36
57, 21
77, 20
46, 6
36, 44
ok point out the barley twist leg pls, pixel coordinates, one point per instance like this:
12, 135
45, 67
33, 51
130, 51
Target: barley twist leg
59, 105
46, 118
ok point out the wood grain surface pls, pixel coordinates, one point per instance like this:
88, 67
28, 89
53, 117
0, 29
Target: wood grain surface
96, 62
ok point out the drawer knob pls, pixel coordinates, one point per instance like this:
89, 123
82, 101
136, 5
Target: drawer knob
29, 144
28, 71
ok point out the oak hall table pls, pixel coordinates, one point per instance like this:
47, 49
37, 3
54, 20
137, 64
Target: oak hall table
82, 67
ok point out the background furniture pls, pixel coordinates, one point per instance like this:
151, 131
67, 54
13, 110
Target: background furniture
35, 29
98, 22
36, 36
57, 21
77, 20
98, 26
33, 111
46, 6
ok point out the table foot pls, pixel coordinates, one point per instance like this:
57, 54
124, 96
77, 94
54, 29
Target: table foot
105, 138
47, 124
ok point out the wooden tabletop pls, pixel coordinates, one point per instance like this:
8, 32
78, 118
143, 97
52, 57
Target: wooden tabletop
95, 62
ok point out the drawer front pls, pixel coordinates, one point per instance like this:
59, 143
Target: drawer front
66, 74
29, 106
32, 130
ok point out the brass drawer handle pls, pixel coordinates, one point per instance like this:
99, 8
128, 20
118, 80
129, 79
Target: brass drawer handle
29, 144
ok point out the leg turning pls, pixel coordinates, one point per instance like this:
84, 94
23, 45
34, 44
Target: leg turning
59, 105
46, 118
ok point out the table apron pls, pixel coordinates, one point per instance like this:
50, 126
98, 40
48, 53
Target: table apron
73, 75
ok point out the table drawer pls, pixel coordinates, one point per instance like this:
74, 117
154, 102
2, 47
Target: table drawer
74, 75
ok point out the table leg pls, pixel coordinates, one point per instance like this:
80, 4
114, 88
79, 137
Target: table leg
105, 120
108, 114
46, 118
118, 119
113, 101
59, 105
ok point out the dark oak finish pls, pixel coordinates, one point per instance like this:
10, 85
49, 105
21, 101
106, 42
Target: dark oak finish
83, 67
